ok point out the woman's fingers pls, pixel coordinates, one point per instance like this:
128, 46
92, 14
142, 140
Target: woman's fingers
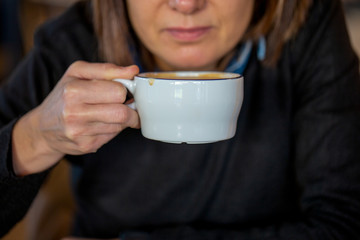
94, 91
86, 144
114, 114
102, 71
85, 110
90, 119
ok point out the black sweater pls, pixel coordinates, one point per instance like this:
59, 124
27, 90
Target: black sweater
292, 171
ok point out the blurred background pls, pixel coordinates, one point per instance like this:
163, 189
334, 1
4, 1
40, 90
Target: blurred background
352, 13
18, 22
50, 215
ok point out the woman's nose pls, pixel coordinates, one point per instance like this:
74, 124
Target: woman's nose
187, 6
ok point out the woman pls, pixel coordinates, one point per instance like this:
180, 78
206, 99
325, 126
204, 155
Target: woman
290, 172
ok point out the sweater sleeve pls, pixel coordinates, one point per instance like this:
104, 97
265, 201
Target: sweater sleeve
16, 193
57, 45
326, 135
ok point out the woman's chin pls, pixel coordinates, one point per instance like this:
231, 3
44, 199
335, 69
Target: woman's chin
190, 65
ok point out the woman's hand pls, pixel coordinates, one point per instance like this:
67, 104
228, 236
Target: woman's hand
83, 112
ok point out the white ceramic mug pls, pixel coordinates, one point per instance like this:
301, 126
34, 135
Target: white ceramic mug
187, 107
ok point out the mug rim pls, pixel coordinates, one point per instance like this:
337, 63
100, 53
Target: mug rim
188, 73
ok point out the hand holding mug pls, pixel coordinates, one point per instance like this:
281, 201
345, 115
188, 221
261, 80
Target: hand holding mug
84, 111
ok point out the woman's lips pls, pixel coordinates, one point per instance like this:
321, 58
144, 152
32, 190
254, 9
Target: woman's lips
188, 34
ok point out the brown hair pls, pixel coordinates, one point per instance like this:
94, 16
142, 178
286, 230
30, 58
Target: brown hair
277, 20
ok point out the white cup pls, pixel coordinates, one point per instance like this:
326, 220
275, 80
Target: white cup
187, 107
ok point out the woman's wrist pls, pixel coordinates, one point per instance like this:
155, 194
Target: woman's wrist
30, 151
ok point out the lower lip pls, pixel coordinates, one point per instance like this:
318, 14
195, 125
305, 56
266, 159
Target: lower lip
189, 35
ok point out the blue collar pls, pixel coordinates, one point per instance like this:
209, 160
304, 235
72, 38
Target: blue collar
240, 61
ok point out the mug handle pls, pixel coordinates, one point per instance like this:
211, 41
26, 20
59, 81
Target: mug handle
131, 86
